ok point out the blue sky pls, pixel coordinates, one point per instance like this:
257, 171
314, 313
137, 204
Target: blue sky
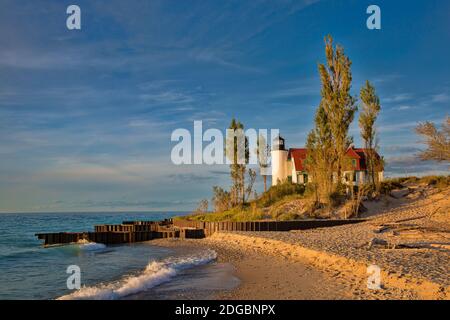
86, 116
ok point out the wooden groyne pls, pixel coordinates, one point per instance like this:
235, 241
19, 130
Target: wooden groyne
127, 232
211, 227
137, 231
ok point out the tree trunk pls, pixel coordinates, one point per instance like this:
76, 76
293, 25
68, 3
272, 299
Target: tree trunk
265, 183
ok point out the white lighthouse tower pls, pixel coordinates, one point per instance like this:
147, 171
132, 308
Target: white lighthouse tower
279, 161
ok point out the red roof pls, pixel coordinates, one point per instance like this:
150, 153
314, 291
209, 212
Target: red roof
299, 155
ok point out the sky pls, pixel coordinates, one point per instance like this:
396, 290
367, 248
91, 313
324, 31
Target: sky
86, 115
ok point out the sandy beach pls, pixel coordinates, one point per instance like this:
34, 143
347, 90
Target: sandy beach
331, 263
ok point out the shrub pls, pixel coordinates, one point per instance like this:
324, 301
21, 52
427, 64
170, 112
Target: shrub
278, 192
436, 181
388, 185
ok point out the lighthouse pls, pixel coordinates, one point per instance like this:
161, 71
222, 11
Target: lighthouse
279, 161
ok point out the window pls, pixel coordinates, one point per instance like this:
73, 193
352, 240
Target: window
354, 163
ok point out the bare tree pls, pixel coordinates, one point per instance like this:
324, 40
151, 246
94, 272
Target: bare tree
437, 141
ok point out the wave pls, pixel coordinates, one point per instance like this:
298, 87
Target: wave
90, 246
155, 273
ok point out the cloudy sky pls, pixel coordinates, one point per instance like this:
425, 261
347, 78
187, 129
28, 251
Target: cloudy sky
86, 116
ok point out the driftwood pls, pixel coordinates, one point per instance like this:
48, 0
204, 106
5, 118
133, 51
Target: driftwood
384, 244
381, 229
376, 242
423, 245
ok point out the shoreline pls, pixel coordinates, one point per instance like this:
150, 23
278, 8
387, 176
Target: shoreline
270, 269
406, 237
264, 277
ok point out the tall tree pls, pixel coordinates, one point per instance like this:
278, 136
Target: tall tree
263, 154
221, 199
437, 141
320, 159
238, 154
367, 117
337, 102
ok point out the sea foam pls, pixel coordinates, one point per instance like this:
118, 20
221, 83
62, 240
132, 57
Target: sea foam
90, 246
155, 273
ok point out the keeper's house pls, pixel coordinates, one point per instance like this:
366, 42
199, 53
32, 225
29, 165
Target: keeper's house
288, 165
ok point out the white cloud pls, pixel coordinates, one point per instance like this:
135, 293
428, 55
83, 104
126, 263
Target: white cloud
399, 97
441, 97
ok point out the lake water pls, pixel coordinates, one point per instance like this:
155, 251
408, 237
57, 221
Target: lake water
128, 271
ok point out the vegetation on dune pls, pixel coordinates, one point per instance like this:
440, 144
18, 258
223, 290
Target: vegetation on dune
256, 209
278, 192
293, 202
367, 117
325, 195
439, 182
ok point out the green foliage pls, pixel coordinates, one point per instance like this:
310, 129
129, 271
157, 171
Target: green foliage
367, 117
202, 206
436, 181
278, 192
439, 182
238, 213
320, 155
221, 199
291, 207
329, 140
263, 156
337, 102
238, 153
254, 210
388, 185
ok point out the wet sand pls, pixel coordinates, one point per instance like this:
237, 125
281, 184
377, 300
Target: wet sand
263, 276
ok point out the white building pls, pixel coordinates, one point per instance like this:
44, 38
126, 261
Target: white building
288, 165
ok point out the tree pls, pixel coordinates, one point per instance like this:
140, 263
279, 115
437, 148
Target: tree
221, 199
438, 142
202, 207
337, 103
238, 154
263, 154
251, 182
320, 159
367, 117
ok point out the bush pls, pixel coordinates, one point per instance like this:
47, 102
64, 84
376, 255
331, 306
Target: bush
436, 181
388, 185
278, 192
238, 213
254, 209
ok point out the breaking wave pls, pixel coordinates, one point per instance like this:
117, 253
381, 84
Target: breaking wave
155, 273
90, 246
